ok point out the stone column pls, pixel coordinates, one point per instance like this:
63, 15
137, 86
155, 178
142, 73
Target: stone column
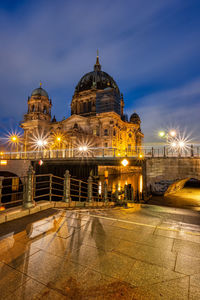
28, 200
66, 197
1, 187
90, 189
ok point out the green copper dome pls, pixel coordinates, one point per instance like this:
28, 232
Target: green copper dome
39, 92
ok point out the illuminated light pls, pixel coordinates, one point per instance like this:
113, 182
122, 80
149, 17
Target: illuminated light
40, 162
58, 138
100, 188
124, 162
2, 208
173, 144
118, 154
83, 148
140, 155
172, 133
40, 143
140, 184
4, 162
161, 133
45, 142
181, 144
1, 153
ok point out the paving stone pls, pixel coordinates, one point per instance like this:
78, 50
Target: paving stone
10, 279
47, 268
142, 274
187, 264
194, 293
195, 280
35, 290
168, 290
187, 247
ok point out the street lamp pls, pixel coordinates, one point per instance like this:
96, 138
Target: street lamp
124, 162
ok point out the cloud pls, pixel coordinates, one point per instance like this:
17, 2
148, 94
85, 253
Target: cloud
141, 43
178, 107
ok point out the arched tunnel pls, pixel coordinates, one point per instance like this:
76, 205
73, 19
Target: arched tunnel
12, 189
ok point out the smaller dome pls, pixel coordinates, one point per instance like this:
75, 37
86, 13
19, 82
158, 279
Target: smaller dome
135, 119
39, 92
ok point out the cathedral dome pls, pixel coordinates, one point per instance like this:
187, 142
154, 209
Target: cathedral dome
96, 79
135, 119
39, 92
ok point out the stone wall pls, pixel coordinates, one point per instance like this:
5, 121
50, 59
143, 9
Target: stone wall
171, 168
18, 167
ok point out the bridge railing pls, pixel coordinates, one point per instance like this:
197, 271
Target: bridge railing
27, 190
145, 151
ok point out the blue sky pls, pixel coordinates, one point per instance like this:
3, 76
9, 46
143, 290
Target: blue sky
151, 49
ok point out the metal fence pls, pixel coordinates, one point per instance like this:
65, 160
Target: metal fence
26, 190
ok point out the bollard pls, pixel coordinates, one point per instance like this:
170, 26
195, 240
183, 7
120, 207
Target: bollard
125, 193
90, 189
50, 187
192, 151
66, 197
164, 152
28, 199
116, 193
1, 187
105, 192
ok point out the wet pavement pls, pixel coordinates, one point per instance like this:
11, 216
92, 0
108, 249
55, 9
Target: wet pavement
149, 253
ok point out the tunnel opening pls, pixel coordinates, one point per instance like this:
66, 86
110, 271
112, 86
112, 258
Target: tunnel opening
12, 190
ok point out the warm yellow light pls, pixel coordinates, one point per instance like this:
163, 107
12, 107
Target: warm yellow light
140, 184
3, 162
14, 138
161, 133
58, 138
181, 144
2, 208
1, 153
140, 155
124, 162
83, 148
173, 144
172, 133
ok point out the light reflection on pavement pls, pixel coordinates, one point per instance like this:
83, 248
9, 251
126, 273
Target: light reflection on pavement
151, 253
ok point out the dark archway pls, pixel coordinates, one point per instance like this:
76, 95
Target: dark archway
12, 189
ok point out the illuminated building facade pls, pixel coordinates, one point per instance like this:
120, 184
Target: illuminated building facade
97, 118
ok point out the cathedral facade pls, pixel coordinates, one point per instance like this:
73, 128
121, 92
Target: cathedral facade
97, 119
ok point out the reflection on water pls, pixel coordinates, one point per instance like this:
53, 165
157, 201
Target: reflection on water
121, 177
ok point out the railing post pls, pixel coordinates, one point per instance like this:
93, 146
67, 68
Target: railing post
90, 189
28, 200
67, 187
116, 193
192, 151
105, 192
50, 187
164, 152
79, 191
125, 193
1, 187
152, 152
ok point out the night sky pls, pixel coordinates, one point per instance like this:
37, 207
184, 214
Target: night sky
150, 48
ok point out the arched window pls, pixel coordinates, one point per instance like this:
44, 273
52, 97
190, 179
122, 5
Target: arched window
105, 132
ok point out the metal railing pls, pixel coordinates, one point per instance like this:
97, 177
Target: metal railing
29, 189
144, 151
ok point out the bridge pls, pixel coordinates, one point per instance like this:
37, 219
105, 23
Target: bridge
157, 165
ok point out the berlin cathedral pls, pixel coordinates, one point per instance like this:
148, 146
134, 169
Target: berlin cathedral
97, 118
